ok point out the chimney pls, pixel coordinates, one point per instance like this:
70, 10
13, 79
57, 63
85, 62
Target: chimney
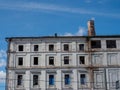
91, 28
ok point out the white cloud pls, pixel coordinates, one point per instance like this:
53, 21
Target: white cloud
93, 18
95, 1
2, 62
68, 34
2, 58
30, 6
81, 32
2, 53
2, 76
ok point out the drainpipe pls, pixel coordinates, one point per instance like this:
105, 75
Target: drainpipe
105, 78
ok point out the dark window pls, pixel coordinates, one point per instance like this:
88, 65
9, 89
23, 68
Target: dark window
51, 60
36, 47
20, 48
82, 79
81, 60
96, 44
19, 79
51, 80
35, 61
111, 43
66, 60
51, 47
66, 47
35, 80
81, 47
20, 61
67, 79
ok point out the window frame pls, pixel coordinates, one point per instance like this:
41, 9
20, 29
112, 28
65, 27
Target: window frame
35, 81
97, 59
66, 58
112, 59
68, 81
66, 47
83, 81
111, 44
34, 61
36, 47
51, 47
21, 80
83, 60
19, 59
38, 74
97, 83
51, 58
81, 48
51, 80
20, 47
96, 44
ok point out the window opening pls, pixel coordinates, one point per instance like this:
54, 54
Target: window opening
67, 79
36, 47
35, 61
20, 48
51, 79
66, 60
35, 80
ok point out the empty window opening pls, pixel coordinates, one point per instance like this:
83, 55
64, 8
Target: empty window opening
66, 60
96, 44
67, 79
51, 60
81, 60
51, 80
19, 80
35, 61
20, 61
66, 47
20, 48
81, 47
51, 47
35, 80
82, 79
111, 43
36, 47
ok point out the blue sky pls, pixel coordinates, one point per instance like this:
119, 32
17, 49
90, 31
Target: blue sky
46, 17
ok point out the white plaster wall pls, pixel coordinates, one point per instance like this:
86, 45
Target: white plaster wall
58, 61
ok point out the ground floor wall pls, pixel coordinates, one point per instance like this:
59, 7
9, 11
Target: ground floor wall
63, 79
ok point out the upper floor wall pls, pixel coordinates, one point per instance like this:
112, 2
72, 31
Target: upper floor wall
65, 44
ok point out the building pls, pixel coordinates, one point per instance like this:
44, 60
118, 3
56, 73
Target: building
64, 62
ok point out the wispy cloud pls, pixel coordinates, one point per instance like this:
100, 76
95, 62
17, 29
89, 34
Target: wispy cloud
2, 53
68, 34
2, 58
81, 32
88, 1
2, 63
95, 1
2, 76
32, 6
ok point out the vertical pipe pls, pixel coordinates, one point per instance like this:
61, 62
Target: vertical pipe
105, 78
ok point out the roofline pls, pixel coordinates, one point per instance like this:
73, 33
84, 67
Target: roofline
97, 36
